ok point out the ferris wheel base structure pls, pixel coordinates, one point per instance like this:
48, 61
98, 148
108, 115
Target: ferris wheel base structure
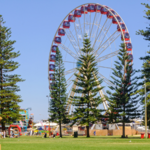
105, 29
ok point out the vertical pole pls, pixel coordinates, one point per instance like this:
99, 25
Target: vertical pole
49, 128
49, 120
145, 114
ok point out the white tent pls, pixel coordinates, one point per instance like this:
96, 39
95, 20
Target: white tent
45, 124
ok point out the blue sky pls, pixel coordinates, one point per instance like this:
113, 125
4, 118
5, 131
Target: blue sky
33, 25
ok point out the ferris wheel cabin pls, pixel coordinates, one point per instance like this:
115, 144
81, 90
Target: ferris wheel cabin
52, 85
66, 24
130, 58
51, 76
52, 58
84, 9
129, 46
97, 8
61, 32
91, 8
109, 15
123, 27
71, 18
51, 67
54, 48
77, 13
126, 36
114, 21
104, 11
57, 40
129, 68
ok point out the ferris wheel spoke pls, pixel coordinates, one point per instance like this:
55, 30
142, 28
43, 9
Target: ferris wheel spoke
72, 40
77, 35
89, 22
80, 27
84, 24
69, 71
107, 56
70, 83
105, 80
98, 25
68, 80
107, 43
68, 51
99, 33
105, 67
93, 24
105, 33
69, 62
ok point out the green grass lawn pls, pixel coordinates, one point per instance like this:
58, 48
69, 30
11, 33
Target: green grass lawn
70, 143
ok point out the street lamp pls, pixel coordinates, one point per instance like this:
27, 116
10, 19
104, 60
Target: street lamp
145, 111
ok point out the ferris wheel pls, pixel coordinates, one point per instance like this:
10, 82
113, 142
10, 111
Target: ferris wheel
106, 31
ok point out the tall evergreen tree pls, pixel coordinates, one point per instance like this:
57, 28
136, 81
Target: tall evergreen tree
9, 108
58, 93
87, 84
122, 97
146, 65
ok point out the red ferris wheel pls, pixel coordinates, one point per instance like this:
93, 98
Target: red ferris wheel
106, 30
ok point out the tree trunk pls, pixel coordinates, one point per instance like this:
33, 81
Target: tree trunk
88, 133
60, 129
3, 127
123, 128
60, 104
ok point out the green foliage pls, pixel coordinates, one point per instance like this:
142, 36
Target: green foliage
146, 64
86, 88
57, 108
123, 100
145, 76
146, 33
9, 108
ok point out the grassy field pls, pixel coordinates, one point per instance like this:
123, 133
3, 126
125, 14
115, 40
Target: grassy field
70, 143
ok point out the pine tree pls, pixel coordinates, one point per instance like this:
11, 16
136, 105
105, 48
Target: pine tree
122, 97
146, 66
87, 84
58, 93
9, 108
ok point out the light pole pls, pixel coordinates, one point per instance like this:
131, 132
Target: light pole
145, 111
48, 120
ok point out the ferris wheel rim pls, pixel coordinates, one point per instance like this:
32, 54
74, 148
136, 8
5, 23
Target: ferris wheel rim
108, 9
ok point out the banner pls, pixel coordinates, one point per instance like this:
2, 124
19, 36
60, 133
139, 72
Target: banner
21, 123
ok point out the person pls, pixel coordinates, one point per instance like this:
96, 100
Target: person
45, 135
57, 134
31, 132
13, 135
94, 133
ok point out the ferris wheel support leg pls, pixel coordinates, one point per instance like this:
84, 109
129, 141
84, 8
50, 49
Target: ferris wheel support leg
72, 94
69, 102
102, 95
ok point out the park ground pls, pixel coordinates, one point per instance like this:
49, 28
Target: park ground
70, 143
